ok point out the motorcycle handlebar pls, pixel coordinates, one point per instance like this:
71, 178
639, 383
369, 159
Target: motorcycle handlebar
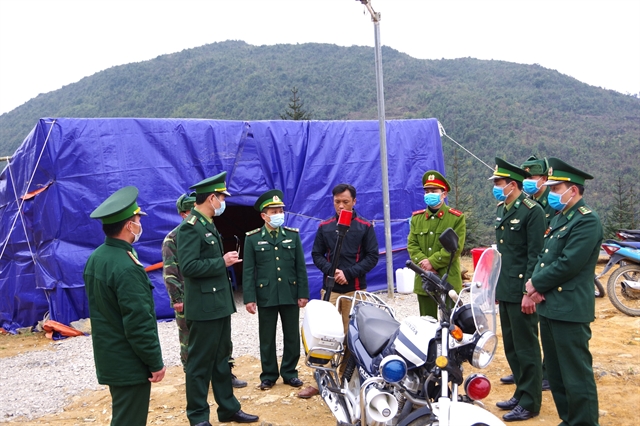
431, 281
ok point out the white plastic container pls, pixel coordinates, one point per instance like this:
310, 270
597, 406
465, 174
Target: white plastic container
404, 280
321, 330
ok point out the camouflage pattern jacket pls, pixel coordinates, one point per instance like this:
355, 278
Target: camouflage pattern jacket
170, 272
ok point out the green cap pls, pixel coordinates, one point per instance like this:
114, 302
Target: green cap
504, 169
559, 172
119, 206
213, 184
433, 179
186, 202
272, 198
536, 167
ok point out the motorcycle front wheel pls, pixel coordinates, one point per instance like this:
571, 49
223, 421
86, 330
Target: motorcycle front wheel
624, 289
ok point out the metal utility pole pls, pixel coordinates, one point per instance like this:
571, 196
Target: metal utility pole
375, 17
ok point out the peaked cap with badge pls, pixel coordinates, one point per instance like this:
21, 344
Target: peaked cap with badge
119, 206
271, 198
215, 183
559, 172
186, 202
433, 179
504, 170
535, 166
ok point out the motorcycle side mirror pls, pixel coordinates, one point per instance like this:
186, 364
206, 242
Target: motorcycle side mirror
449, 240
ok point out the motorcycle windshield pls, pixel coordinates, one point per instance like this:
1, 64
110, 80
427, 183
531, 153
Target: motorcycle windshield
483, 290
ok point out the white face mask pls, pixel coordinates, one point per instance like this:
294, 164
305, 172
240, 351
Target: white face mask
276, 220
136, 237
220, 210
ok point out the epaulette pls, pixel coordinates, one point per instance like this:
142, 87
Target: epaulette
253, 232
455, 212
291, 229
192, 220
529, 203
135, 260
584, 210
418, 212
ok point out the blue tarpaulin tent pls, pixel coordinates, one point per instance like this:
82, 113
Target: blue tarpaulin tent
66, 167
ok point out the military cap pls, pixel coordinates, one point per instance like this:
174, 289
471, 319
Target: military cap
535, 166
186, 202
504, 170
119, 206
272, 198
559, 172
212, 184
432, 178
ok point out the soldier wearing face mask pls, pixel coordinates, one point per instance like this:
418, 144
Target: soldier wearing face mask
535, 187
208, 305
274, 281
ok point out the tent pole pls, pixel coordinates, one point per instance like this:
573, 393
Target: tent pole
375, 17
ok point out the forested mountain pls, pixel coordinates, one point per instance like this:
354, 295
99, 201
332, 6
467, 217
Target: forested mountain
492, 108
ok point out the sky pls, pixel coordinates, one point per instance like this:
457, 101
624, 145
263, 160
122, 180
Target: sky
47, 44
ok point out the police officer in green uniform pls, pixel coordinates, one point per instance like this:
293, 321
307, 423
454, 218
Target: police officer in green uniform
174, 282
274, 281
519, 229
562, 284
535, 187
208, 305
126, 348
423, 245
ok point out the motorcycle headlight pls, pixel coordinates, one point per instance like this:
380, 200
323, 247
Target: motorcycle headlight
393, 369
484, 350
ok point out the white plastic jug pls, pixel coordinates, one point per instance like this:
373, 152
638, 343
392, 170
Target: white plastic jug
404, 280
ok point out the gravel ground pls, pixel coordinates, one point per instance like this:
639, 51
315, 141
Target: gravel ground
36, 383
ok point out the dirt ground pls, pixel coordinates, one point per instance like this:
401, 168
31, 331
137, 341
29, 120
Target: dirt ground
616, 359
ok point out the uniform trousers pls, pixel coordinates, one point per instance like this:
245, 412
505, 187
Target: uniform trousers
522, 349
569, 364
267, 324
130, 404
209, 364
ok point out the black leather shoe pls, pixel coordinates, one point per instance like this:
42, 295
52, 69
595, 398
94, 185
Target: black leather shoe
294, 381
266, 384
518, 414
237, 383
545, 385
242, 417
507, 405
508, 380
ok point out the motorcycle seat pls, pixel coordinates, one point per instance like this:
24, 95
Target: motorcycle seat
630, 244
375, 328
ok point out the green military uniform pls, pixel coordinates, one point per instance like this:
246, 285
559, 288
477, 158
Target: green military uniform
519, 230
275, 277
540, 167
424, 231
564, 275
126, 348
208, 305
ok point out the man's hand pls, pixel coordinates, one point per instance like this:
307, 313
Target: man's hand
157, 376
231, 258
340, 278
178, 307
426, 265
528, 306
529, 288
252, 308
302, 303
537, 297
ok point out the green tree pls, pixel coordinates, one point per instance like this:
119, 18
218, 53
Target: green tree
294, 109
621, 214
460, 198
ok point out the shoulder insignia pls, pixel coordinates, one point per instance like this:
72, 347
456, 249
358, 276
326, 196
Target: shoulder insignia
192, 220
135, 259
254, 231
455, 212
291, 229
529, 203
584, 210
418, 212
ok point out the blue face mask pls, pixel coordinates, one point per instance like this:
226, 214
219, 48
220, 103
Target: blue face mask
432, 199
276, 220
499, 193
554, 200
530, 186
